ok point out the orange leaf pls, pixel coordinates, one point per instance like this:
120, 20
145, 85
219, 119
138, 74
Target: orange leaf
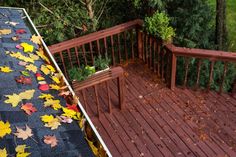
29, 108
51, 140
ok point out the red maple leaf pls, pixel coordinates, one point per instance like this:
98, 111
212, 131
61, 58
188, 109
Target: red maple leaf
43, 87
28, 108
20, 31
72, 107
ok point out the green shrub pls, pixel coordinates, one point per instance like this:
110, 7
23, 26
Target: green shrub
82, 73
101, 63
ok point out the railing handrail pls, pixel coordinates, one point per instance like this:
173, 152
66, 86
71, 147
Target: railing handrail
202, 53
95, 36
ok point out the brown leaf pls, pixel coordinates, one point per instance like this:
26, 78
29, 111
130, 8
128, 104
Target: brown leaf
24, 134
50, 140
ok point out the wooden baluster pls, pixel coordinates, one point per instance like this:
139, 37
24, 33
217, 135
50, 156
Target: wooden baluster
118, 36
186, 71
132, 43
69, 55
125, 46
154, 55
158, 59
120, 82
84, 55
97, 100
112, 50
146, 51
198, 73
223, 76
77, 56
143, 41
140, 44
91, 52
63, 63
150, 52
98, 47
162, 63
85, 100
109, 97
105, 45
211, 75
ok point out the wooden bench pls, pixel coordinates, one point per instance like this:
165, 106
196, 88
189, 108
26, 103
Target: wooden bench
102, 77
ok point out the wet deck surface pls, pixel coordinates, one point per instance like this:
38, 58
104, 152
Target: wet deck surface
71, 141
160, 122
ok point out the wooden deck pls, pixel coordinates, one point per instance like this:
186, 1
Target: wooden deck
160, 122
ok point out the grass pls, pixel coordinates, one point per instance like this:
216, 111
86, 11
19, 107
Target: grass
231, 22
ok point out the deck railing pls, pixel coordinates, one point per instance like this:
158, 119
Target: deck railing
129, 41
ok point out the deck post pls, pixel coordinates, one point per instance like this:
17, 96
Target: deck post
173, 72
140, 43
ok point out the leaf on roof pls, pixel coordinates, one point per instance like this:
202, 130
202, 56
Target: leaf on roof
24, 134
51, 68
5, 128
72, 107
40, 53
45, 70
5, 69
26, 73
20, 151
50, 121
27, 47
20, 31
19, 56
14, 99
34, 57
5, 31
28, 108
36, 39
64, 119
43, 87
56, 79
53, 86
32, 68
50, 140
55, 104
3, 152
46, 96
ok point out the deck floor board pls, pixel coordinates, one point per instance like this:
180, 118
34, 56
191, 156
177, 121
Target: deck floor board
157, 121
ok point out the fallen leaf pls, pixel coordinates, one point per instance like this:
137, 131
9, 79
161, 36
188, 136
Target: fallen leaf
24, 80
64, 93
55, 104
14, 99
50, 140
12, 23
19, 56
51, 68
31, 67
15, 38
55, 79
24, 134
20, 31
29, 108
40, 53
94, 149
25, 73
5, 69
69, 113
3, 152
40, 78
50, 121
21, 63
36, 39
19, 47
20, 151
43, 87
27, 47
46, 96
72, 107
53, 86
45, 70
65, 119
42, 82
5, 31
34, 57
5, 128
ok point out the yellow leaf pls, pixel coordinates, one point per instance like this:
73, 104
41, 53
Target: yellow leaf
20, 150
55, 79
40, 53
36, 39
32, 68
53, 86
45, 70
27, 47
40, 78
47, 118
34, 57
69, 113
3, 152
5, 31
55, 104
51, 68
5, 69
94, 149
28, 94
19, 56
46, 96
14, 99
4, 128
51, 122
